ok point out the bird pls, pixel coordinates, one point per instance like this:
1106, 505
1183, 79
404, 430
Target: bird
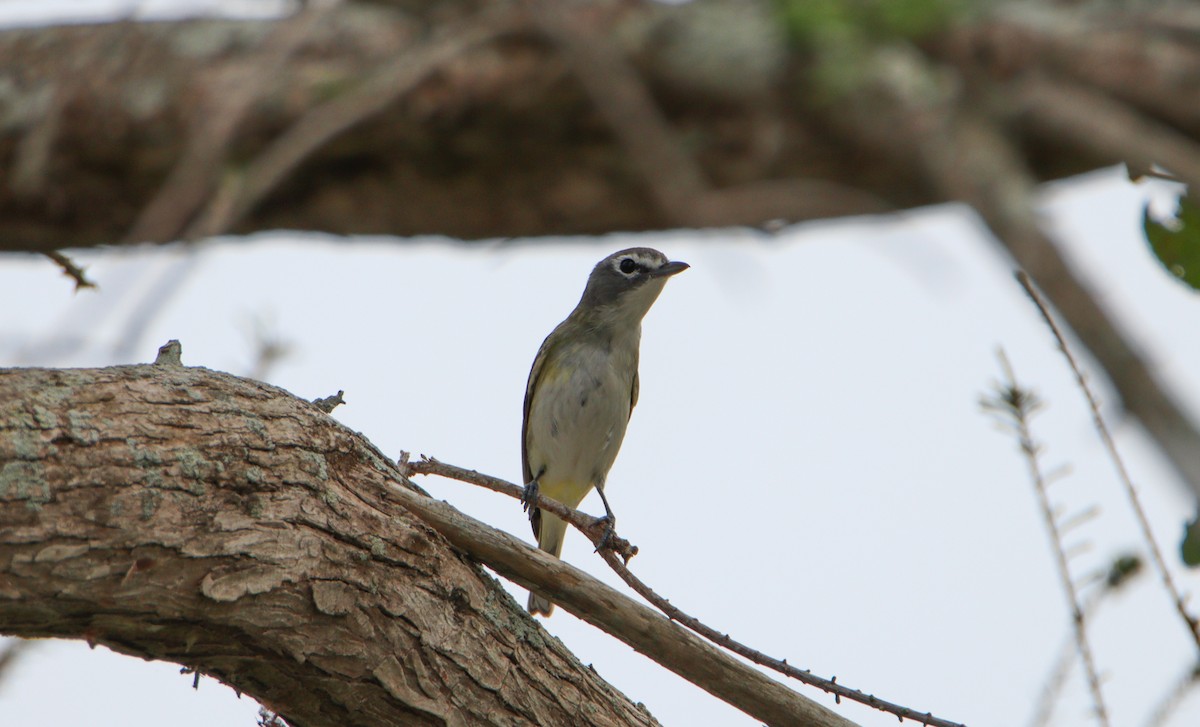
581, 391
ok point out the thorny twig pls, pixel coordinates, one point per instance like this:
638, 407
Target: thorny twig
1018, 405
586, 524
1106, 437
71, 270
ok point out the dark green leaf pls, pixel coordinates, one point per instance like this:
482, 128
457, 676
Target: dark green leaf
1190, 547
1176, 243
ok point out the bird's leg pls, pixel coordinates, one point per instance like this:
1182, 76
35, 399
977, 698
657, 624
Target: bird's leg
609, 531
530, 497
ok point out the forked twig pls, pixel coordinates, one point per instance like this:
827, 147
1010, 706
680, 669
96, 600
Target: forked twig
432, 466
1160, 563
1018, 405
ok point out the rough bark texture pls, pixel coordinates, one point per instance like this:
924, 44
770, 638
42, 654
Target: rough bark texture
152, 131
186, 515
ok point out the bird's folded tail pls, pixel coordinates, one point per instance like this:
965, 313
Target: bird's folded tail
539, 604
551, 532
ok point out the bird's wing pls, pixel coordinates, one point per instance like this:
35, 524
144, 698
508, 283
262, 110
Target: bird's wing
633, 393
636, 388
535, 374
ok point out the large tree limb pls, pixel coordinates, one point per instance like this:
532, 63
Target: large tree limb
182, 514
139, 127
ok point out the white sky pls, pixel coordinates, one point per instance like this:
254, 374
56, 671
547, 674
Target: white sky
808, 468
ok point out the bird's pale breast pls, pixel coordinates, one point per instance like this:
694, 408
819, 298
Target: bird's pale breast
578, 416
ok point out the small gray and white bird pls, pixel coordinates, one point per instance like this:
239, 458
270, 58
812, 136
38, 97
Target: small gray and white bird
582, 389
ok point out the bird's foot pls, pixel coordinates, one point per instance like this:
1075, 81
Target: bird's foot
530, 497
610, 532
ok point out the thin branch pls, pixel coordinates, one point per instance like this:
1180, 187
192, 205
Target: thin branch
1123, 569
1110, 446
1018, 405
829, 686
967, 157
593, 528
604, 607
71, 270
586, 525
1172, 699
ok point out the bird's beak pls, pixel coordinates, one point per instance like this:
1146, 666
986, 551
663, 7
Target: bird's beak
669, 269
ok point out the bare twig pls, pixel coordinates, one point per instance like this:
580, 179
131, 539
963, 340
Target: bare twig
71, 270
1123, 569
967, 157
780, 665
594, 528
642, 628
1170, 702
1110, 446
1018, 405
586, 524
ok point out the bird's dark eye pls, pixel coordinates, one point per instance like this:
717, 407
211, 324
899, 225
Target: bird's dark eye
628, 266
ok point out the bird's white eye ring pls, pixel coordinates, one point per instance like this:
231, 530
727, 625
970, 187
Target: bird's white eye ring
628, 266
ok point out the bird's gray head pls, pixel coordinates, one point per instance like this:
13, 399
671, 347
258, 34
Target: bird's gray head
625, 284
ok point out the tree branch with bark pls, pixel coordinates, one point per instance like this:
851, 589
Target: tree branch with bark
186, 515
183, 514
